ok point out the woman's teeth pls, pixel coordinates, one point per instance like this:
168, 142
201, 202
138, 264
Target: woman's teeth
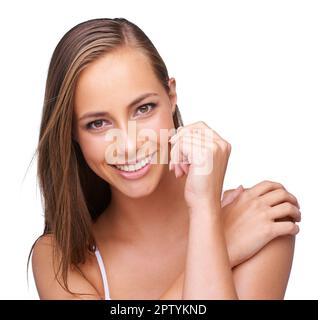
135, 167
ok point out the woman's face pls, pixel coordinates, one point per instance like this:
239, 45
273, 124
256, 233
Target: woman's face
108, 86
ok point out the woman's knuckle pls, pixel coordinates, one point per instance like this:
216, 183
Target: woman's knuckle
289, 207
277, 184
223, 145
254, 203
273, 184
282, 193
246, 195
268, 230
293, 197
266, 184
215, 147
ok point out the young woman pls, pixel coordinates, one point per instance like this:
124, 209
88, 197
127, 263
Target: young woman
160, 231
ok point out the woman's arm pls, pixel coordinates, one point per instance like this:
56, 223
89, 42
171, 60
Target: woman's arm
175, 290
277, 248
263, 276
208, 273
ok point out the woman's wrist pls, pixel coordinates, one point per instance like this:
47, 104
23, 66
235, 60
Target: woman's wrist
205, 206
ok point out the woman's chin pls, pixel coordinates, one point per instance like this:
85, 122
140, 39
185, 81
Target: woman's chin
137, 191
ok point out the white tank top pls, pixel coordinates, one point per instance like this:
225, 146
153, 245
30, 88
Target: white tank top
103, 273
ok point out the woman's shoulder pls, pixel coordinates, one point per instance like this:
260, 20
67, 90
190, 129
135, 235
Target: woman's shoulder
43, 249
48, 281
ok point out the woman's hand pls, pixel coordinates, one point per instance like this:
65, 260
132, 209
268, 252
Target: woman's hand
200, 153
253, 217
230, 195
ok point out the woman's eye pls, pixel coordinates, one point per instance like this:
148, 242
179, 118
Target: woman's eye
146, 108
95, 125
99, 124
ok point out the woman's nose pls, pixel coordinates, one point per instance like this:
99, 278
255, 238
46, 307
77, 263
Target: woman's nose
128, 144
130, 148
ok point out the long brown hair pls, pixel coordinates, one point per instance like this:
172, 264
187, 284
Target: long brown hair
72, 195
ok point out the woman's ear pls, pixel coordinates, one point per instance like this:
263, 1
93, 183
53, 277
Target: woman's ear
172, 93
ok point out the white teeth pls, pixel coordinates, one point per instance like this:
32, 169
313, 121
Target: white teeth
134, 167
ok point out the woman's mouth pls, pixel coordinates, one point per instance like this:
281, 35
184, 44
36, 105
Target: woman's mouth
134, 171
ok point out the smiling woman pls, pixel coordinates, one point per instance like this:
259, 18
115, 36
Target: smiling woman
103, 73
118, 204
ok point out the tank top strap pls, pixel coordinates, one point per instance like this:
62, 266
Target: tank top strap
103, 273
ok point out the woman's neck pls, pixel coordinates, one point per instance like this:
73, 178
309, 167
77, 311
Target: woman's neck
162, 213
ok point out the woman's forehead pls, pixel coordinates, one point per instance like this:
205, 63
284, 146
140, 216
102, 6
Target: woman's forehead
116, 78
116, 70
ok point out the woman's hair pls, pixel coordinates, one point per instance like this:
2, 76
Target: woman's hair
72, 195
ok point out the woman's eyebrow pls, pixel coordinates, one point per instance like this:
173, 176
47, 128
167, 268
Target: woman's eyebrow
105, 113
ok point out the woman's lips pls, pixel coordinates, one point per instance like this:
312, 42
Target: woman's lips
132, 175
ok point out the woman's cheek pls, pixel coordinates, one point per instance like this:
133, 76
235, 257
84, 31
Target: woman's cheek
162, 120
161, 124
93, 148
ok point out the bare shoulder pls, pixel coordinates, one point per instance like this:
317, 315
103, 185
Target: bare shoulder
266, 274
44, 275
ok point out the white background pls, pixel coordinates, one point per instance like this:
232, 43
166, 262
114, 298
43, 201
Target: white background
249, 69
